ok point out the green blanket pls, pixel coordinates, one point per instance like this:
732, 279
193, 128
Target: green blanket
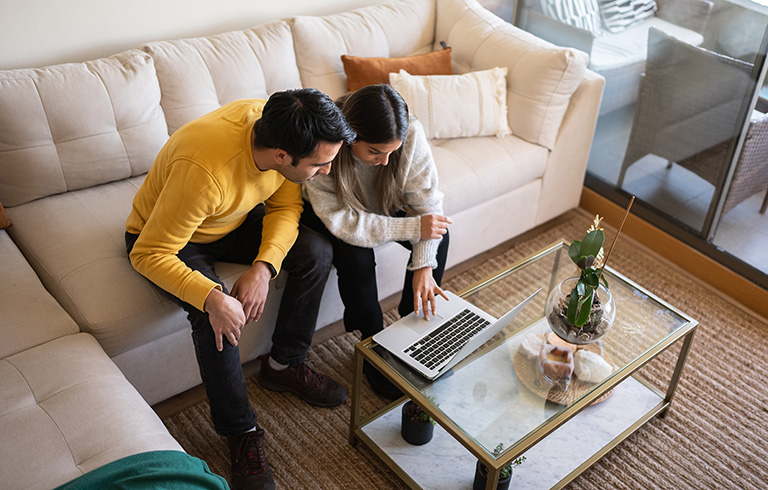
152, 470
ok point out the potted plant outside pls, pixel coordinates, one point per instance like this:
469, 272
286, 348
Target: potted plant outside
417, 427
505, 477
581, 309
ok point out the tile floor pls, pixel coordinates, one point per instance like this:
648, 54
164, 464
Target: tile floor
742, 232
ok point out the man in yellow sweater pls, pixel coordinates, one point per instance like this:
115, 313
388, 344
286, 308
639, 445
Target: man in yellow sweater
226, 187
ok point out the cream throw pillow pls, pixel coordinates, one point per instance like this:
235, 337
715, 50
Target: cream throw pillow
455, 106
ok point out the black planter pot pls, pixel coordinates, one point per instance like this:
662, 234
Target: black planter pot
416, 433
481, 479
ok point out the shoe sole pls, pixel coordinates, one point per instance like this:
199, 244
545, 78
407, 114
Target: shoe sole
246, 487
278, 388
268, 487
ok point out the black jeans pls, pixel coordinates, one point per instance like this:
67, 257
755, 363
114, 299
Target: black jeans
356, 268
307, 263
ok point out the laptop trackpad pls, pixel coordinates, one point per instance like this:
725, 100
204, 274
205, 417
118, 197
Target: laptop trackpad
420, 326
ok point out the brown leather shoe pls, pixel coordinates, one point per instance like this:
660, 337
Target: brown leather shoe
250, 468
312, 387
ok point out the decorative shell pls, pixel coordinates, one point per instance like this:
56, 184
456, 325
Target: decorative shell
531, 346
590, 367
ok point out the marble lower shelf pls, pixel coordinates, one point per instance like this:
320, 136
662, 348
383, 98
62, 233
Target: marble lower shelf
444, 464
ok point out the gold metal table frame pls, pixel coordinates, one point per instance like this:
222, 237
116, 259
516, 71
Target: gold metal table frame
637, 326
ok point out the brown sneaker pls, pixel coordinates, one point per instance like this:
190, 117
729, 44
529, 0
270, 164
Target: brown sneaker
312, 387
250, 468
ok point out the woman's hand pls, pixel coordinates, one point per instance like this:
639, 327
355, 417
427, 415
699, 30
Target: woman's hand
424, 290
434, 226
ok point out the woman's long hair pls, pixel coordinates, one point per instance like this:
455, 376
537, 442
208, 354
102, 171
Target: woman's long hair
379, 115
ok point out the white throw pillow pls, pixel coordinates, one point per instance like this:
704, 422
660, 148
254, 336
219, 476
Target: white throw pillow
584, 14
455, 106
618, 15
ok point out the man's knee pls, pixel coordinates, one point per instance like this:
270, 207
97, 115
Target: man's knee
312, 250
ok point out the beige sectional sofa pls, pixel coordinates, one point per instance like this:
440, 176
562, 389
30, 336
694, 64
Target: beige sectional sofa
77, 139
65, 408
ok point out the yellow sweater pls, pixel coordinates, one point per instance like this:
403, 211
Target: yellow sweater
201, 187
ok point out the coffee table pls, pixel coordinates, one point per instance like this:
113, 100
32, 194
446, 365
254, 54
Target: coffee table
488, 399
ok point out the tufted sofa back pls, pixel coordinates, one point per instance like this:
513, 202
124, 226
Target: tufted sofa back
78, 125
394, 29
201, 74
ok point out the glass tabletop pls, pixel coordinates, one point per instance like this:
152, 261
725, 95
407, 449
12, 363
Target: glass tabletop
496, 395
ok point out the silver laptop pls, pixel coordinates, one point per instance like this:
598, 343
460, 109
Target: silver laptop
434, 346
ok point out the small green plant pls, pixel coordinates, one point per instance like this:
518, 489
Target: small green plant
417, 414
588, 256
506, 471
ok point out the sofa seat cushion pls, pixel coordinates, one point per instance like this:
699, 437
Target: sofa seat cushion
391, 30
201, 74
30, 316
75, 242
66, 409
473, 171
612, 51
77, 125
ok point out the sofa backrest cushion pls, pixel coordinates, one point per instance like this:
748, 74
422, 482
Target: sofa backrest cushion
542, 77
77, 125
395, 29
201, 74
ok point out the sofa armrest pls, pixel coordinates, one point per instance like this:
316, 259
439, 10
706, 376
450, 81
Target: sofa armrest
691, 14
541, 76
567, 162
556, 32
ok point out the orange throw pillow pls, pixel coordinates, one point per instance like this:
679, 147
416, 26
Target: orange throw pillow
370, 71
4, 221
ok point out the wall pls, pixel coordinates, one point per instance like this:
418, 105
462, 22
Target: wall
36, 33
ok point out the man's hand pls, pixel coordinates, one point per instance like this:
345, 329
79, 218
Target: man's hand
226, 316
434, 226
251, 290
424, 290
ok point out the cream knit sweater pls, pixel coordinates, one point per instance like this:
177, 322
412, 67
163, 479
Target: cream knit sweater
371, 228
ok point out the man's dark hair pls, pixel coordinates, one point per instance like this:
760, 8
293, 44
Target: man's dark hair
297, 120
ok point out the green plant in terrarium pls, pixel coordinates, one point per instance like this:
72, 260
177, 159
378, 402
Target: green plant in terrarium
588, 256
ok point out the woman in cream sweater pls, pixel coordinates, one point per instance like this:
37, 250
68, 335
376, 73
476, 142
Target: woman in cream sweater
381, 188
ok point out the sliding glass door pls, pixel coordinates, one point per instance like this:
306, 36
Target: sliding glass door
682, 125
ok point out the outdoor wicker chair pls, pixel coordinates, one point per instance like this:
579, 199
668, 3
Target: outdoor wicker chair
688, 113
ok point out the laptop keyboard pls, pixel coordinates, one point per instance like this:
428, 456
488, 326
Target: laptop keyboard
442, 343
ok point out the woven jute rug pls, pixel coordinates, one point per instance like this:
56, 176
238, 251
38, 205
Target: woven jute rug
714, 436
